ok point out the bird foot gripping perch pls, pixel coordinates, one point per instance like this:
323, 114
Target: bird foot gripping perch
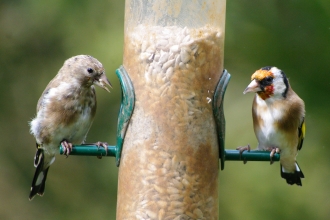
125, 113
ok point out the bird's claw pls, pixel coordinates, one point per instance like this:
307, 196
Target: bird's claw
67, 147
273, 150
104, 145
242, 149
100, 144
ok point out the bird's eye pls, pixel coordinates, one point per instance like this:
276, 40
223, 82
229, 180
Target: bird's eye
90, 70
269, 79
266, 81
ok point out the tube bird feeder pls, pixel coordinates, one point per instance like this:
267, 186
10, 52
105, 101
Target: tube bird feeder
173, 53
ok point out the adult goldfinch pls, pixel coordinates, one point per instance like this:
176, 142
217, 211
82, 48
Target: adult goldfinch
278, 119
65, 112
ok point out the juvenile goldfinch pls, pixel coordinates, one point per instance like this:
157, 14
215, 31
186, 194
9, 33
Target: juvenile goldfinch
278, 119
65, 112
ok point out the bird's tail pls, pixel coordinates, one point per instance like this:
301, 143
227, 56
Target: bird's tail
40, 175
293, 178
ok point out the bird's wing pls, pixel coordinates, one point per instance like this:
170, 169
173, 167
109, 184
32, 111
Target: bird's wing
301, 134
52, 84
41, 99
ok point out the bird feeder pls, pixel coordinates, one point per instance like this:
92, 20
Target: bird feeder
173, 53
171, 125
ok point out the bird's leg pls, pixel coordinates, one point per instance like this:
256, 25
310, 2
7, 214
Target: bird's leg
242, 149
273, 150
100, 144
67, 147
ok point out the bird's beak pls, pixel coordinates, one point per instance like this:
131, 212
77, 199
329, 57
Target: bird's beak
252, 87
103, 82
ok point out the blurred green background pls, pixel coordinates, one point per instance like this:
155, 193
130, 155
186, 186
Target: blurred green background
35, 39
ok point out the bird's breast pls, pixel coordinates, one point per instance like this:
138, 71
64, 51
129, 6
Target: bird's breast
76, 131
67, 113
266, 124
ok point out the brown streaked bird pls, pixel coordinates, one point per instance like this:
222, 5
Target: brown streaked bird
278, 119
65, 112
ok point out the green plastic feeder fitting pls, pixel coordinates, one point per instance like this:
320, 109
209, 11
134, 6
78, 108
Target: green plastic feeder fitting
219, 115
126, 110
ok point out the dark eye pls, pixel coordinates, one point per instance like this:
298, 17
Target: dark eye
90, 70
269, 79
266, 81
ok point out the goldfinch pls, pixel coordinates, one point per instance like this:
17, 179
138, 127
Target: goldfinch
278, 119
65, 112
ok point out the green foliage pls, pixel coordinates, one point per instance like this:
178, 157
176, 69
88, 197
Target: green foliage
35, 39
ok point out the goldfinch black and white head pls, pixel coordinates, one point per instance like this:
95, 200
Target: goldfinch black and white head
278, 119
269, 82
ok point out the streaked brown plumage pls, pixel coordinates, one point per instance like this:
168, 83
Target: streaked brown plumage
65, 112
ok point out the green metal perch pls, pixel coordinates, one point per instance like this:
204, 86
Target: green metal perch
229, 155
253, 155
92, 150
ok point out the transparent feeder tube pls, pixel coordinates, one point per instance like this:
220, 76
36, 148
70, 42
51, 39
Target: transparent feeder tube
173, 54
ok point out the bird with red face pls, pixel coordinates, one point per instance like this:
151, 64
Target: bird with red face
278, 119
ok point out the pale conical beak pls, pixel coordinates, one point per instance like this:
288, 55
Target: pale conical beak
252, 87
103, 82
